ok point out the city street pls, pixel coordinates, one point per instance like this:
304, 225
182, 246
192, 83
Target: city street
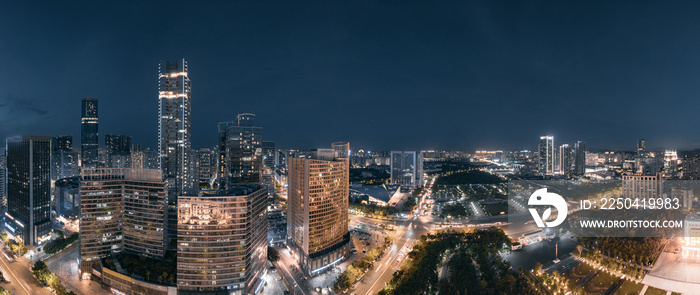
20, 276
65, 266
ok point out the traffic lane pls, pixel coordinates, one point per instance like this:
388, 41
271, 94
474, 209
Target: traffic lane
21, 275
296, 282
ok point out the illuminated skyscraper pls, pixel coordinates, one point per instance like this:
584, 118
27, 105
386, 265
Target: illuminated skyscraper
3, 178
564, 159
174, 129
28, 188
241, 154
88, 133
546, 155
118, 151
317, 210
64, 161
222, 241
580, 158
121, 209
174, 133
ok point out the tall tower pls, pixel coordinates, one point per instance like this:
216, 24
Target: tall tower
88, 133
174, 119
580, 158
241, 156
28, 188
317, 210
546, 154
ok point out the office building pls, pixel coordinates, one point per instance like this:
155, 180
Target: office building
88, 133
3, 177
269, 154
317, 210
641, 147
67, 197
62, 143
118, 151
28, 188
564, 159
64, 161
407, 168
639, 186
174, 126
342, 147
684, 196
205, 162
222, 241
241, 155
118, 144
121, 209
579, 158
546, 155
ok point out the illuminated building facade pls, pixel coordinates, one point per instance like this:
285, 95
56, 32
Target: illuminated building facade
691, 245
240, 151
317, 210
88, 133
639, 186
546, 155
29, 188
174, 126
579, 163
64, 162
174, 133
222, 241
121, 209
407, 168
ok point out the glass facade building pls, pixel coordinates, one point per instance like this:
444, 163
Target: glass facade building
89, 133
29, 188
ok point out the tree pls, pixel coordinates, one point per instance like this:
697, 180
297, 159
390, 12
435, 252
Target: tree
538, 268
579, 247
272, 254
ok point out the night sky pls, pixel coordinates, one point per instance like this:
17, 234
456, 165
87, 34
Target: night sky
382, 75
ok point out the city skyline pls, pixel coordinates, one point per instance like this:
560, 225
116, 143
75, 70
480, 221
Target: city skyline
369, 67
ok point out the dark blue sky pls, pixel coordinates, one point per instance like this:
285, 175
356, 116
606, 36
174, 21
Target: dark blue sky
383, 75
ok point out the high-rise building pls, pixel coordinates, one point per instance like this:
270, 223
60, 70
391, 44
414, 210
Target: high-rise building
121, 209
204, 161
317, 210
222, 241
641, 147
64, 161
67, 197
242, 158
174, 126
118, 144
3, 177
88, 133
28, 188
62, 143
407, 168
579, 158
269, 154
118, 149
342, 147
546, 154
174, 133
564, 159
